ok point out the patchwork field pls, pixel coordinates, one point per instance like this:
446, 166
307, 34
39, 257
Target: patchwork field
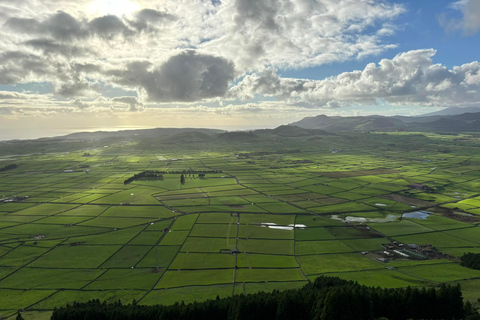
261, 222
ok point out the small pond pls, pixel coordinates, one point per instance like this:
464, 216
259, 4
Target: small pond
421, 214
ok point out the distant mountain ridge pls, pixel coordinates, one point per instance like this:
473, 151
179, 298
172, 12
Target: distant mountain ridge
467, 122
452, 111
143, 133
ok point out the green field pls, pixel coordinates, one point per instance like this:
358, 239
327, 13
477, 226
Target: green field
261, 223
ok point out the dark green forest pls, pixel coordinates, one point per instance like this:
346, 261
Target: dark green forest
8, 167
325, 299
470, 260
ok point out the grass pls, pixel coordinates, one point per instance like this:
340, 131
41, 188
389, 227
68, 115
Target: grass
186, 294
18, 299
184, 222
156, 212
88, 211
326, 263
136, 195
78, 256
159, 257
348, 232
388, 278
174, 238
282, 220
46, 209
440, 272
313, 234
470, 234
373, 244
22, 255
204, 244
124, 279
176, 278
116, 222
36, 278
96, 228
126, 257
267, 275
12, 207
437, 239
320, 247
216, 217
470, 289
69, 296
266, 246
342, 208
316, 221
214, 230
263, 232
400, 228
249, 288
108, 237
246, 260
280, 207
186, 261
146, 238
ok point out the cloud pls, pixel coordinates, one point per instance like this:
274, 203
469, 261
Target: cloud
62, 26
73, 88
19, 66
263, 14
150, 20
183, 51
410, 78
468, 24
132, 102
8, 95
82, 105
187, 76
50, 47
299, 33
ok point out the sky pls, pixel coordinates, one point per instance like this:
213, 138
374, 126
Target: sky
83, 65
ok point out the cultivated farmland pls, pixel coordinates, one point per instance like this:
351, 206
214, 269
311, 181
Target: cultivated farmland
261, 222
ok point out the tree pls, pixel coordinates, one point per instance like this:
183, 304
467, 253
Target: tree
182, 179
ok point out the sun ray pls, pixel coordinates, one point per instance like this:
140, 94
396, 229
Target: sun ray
113, 7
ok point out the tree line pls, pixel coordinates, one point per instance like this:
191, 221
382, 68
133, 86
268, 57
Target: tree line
327, 298
470, 260
144, 175
8, 167
155, 174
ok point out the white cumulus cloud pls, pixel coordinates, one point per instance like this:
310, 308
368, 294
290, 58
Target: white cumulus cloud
410, 78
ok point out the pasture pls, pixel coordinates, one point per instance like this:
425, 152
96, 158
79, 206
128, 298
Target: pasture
265, 222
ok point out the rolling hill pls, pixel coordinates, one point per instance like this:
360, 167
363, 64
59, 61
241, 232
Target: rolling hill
436, 123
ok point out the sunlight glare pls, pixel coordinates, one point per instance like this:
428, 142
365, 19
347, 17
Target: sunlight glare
113, 7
